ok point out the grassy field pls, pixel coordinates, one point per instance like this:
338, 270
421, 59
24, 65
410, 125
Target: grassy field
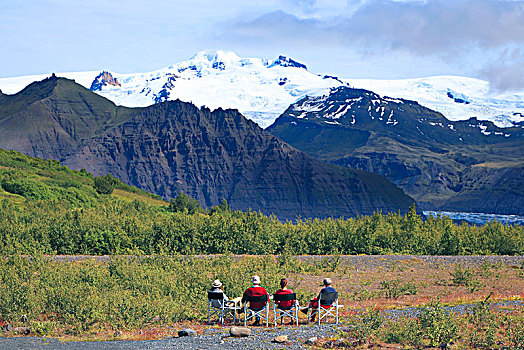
90, 298
47, 208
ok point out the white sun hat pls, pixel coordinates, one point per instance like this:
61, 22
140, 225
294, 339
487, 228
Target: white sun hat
217, 284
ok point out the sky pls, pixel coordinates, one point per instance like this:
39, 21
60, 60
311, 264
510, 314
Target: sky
378, 39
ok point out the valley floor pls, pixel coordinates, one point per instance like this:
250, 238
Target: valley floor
384, 291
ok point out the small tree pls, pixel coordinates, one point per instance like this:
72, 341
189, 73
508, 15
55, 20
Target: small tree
221, 208
183, 202
105, 184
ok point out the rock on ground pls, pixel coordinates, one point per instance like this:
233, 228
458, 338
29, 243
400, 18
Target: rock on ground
240, 332
280, 339
187, 332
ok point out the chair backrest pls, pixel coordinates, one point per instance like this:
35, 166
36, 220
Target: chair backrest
215, 295
327, 298
285, 297
257, 299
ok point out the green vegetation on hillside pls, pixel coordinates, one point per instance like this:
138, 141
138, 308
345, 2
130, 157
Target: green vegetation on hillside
54, 210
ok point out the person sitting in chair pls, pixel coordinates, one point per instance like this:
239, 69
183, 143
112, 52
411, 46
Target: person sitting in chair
313, 304
217, 287
284, 304
255, 291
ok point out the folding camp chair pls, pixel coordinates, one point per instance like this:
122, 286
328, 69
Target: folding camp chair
327, 306
281, 312
221, 311
258, 311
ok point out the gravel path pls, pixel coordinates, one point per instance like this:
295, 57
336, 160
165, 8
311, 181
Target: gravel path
218, 338
363, 261
213, 338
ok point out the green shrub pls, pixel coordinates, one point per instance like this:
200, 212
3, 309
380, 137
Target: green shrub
438, 325
105, 184
405, 330
29, 189
465, 277
396, 287
183, 203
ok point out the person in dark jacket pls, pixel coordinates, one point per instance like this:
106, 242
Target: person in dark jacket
313, 304
217, 287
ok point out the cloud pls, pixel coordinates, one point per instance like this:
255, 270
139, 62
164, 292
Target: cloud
427, 27
304, 5
465, 34
506, 73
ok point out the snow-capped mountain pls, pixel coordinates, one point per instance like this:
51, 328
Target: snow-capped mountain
457, 98
262, 89
466, 165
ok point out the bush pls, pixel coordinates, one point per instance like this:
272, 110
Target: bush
183, 203
438, 325
396, 287
105, 184
465, 277
29, 189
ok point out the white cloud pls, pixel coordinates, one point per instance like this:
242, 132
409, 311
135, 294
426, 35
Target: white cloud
459, 32
507, 72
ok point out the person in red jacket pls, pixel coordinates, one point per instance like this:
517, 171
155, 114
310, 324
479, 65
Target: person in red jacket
284, 290
255, 291
285, 304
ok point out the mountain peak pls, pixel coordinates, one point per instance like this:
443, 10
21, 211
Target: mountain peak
287, 62
215, 56
103, 79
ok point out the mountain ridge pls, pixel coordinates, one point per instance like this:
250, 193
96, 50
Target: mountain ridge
175, 146
449, 165
262, 89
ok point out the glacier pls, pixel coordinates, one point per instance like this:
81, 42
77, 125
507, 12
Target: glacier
262, 89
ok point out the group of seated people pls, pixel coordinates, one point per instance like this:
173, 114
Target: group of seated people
256, 290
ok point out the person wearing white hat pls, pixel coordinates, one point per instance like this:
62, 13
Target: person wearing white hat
217, 287
255, 291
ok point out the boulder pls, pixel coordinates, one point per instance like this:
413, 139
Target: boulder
22, 330
312, 341
187, 332
280, 339
240, 332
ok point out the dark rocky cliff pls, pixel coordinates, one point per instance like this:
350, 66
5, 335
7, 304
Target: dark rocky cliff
174, 146
456, 166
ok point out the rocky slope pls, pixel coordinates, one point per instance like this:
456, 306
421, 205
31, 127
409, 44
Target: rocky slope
463, 166
49, 119
174, 146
